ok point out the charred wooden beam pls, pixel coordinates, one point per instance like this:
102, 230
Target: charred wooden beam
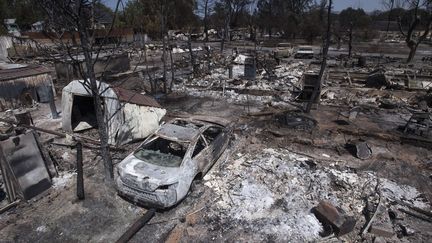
80, 176
137, 226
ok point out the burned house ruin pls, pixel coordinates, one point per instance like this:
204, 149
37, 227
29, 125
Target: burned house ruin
21, 85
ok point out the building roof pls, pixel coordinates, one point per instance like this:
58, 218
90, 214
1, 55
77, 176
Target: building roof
102, 16
22, 72
132, 97
98, 33
185, 134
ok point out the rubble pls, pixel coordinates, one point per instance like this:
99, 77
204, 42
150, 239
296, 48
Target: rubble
287, 193
334, 218
360, 149
355, 168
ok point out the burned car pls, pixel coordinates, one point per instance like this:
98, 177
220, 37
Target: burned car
304, 52
160, 172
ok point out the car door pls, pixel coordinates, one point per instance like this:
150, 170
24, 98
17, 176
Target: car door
200, 153
217, 138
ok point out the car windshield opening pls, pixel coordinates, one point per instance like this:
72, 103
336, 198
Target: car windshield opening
162, 152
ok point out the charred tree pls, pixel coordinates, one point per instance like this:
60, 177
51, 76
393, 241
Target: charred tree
327, 42
163, 17
172, 67
389, 15
227, 22
100, 117
350, 39
410, 39
191, 54
206, 10
317, 90
75, 16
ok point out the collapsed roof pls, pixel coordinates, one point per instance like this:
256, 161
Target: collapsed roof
23, 84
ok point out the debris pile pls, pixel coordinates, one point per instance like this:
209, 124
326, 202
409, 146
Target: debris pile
273, 193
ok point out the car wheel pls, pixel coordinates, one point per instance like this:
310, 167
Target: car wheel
196, 183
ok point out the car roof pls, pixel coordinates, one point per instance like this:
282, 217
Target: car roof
176, 132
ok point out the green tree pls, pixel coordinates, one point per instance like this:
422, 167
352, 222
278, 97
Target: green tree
266, 15
144, 15
3, 15
357, 17
421, 18
313, 23
285, 15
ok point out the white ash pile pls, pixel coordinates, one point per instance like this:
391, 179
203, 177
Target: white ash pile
286, 79
271, 194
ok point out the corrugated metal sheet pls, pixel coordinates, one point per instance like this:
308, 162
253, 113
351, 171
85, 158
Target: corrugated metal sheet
30, 70
25, 161
128, 96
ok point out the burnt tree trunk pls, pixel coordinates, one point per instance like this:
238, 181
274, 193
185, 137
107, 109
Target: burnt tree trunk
152, 84
53, 108
317, 90
172, 68
413, 49
206, 2
410, 40
223, 43
164, 45
226, 34
192, 57
100, 117
389, 16
350, 35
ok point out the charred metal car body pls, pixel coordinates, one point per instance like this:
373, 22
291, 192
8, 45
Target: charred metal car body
304, 52
160, 172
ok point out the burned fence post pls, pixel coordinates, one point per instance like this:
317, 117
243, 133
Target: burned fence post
53, 107
172, 67
80, 176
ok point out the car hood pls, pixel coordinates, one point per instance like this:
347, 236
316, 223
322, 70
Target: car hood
150, 175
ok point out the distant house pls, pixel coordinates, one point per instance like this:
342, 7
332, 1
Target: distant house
106, 64
38, 26
102, 18
12, 27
